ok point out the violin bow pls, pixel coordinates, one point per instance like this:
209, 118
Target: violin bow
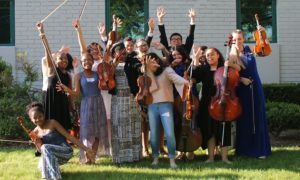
47, 48
82, 9
53, 11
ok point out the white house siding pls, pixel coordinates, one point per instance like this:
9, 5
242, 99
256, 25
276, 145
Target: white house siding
214, 20
58, 27
288, 25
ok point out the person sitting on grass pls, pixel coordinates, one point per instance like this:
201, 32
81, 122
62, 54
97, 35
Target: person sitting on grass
50, 139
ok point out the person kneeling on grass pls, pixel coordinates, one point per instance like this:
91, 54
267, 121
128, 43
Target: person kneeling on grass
51, 141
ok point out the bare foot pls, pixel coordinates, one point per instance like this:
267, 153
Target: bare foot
262, 157
155, 161
145, 154
163, 153
180, 155
173, 165
190, 155
227, 161
209, 161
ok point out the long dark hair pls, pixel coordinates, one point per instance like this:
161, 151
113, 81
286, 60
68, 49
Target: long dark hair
221, 58
185, 58
159, 62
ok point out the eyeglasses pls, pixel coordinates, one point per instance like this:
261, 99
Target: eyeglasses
175, 39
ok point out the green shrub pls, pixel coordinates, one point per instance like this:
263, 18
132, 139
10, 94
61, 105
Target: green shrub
14, 97
282, 93
282, 116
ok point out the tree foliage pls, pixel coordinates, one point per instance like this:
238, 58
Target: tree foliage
133, 17
264, 10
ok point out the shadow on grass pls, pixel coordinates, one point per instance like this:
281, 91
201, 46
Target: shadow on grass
288, 160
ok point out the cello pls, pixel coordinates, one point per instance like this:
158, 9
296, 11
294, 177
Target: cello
189, 138
225, 106
106, 78
262, 46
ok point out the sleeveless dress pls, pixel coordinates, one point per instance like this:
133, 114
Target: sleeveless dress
126, 122
57, 103
208, 126
93, 123
248, 142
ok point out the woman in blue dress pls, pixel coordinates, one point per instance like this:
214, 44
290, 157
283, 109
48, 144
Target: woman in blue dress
252, 135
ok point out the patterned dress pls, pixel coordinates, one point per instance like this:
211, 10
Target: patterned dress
126, 122
93, 121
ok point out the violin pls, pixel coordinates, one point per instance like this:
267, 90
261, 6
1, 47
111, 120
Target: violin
262, 46
225, 106
114, 35
106, 78
144, 97
33, 135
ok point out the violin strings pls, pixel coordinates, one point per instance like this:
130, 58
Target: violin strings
53, 11
82, 9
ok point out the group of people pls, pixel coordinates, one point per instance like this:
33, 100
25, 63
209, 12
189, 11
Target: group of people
113, 123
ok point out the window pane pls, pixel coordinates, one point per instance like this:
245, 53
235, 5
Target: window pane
248, 23
133, 17
5, 22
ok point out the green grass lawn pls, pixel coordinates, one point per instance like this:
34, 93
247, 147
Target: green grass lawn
284, 163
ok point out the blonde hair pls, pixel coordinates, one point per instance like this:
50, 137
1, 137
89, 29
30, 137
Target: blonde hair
238, 31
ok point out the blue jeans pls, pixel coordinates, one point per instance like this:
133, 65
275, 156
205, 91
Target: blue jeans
162, 112
52, 156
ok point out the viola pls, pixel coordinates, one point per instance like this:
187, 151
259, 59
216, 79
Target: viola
262, 46
106, 78
225, 106
188, 138
144, 97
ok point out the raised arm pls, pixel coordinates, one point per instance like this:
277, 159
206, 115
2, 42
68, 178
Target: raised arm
161, 12
190, 38
158, 46
82, 44
49, 65
101, 29
149, 37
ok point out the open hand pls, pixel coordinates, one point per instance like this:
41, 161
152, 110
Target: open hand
160, 13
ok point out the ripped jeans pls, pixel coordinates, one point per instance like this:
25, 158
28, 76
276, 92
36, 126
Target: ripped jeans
162, 112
